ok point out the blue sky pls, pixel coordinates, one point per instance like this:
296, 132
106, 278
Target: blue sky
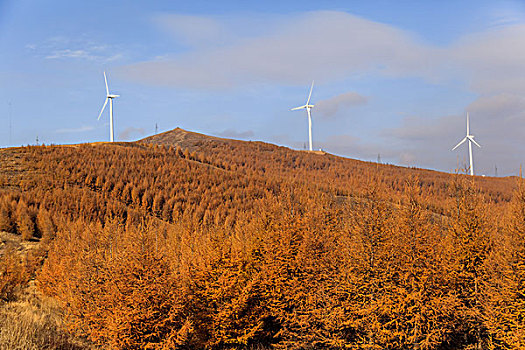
392, 77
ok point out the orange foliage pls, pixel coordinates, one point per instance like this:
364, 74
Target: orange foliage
229, 245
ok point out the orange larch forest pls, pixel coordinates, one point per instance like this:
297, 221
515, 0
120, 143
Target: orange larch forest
183, 241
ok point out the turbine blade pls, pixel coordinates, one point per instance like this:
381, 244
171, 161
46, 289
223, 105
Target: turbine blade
297, 108
106, 80
310, 95
102, 110
460, 143
468, 128
472, 139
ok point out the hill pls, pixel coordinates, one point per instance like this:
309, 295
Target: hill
185, 139
183, 240
320, 168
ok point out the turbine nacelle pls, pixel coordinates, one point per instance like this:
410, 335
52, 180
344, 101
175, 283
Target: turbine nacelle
471, 138
302, 107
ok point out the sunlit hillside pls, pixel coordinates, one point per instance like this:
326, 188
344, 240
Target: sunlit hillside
183, 240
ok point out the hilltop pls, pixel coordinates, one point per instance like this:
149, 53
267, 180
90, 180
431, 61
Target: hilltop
258, 156
184, 139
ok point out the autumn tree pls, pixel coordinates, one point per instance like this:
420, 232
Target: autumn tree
231, 307
12, 273
24, 221
6, 216
417, 305
45, 225
470, 246
118, 287
508, 319
370, 275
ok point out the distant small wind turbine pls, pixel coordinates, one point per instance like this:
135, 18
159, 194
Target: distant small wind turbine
308, 107
109, 97
470, 139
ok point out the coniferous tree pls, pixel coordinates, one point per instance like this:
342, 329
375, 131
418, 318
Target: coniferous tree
471, 244
6, 216
13, 274
45, 225
368, 241
419, 306
25, 225
508, 320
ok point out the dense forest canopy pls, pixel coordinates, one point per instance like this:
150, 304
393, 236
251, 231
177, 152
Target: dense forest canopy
187, 241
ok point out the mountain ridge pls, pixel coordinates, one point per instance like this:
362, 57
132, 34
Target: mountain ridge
261, 152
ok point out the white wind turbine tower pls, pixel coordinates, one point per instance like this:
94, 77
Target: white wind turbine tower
470, 139
109, 97
308, 107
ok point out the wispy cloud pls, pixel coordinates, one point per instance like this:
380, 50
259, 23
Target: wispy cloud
63, 48
232, 133
67, 53
74, 130
331, 106
493, 61
339, 45
129, 131
279, 53
359, 148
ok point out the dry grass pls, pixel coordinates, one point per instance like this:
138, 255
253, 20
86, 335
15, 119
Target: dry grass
35, 322
15, 241
28, 320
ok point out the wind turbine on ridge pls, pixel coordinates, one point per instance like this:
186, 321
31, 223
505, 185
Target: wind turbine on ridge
109, 97
308, 108
470, 139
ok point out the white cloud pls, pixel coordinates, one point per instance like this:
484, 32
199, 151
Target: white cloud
330, 46
63, 48
129, 131
327, 45
67, 53
500, 108
492, 61
329, 107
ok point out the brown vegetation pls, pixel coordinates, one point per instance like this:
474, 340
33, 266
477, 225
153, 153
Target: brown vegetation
211, 243
33, 323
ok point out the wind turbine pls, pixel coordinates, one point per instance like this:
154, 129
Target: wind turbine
308, 107
109, 97
470, 139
